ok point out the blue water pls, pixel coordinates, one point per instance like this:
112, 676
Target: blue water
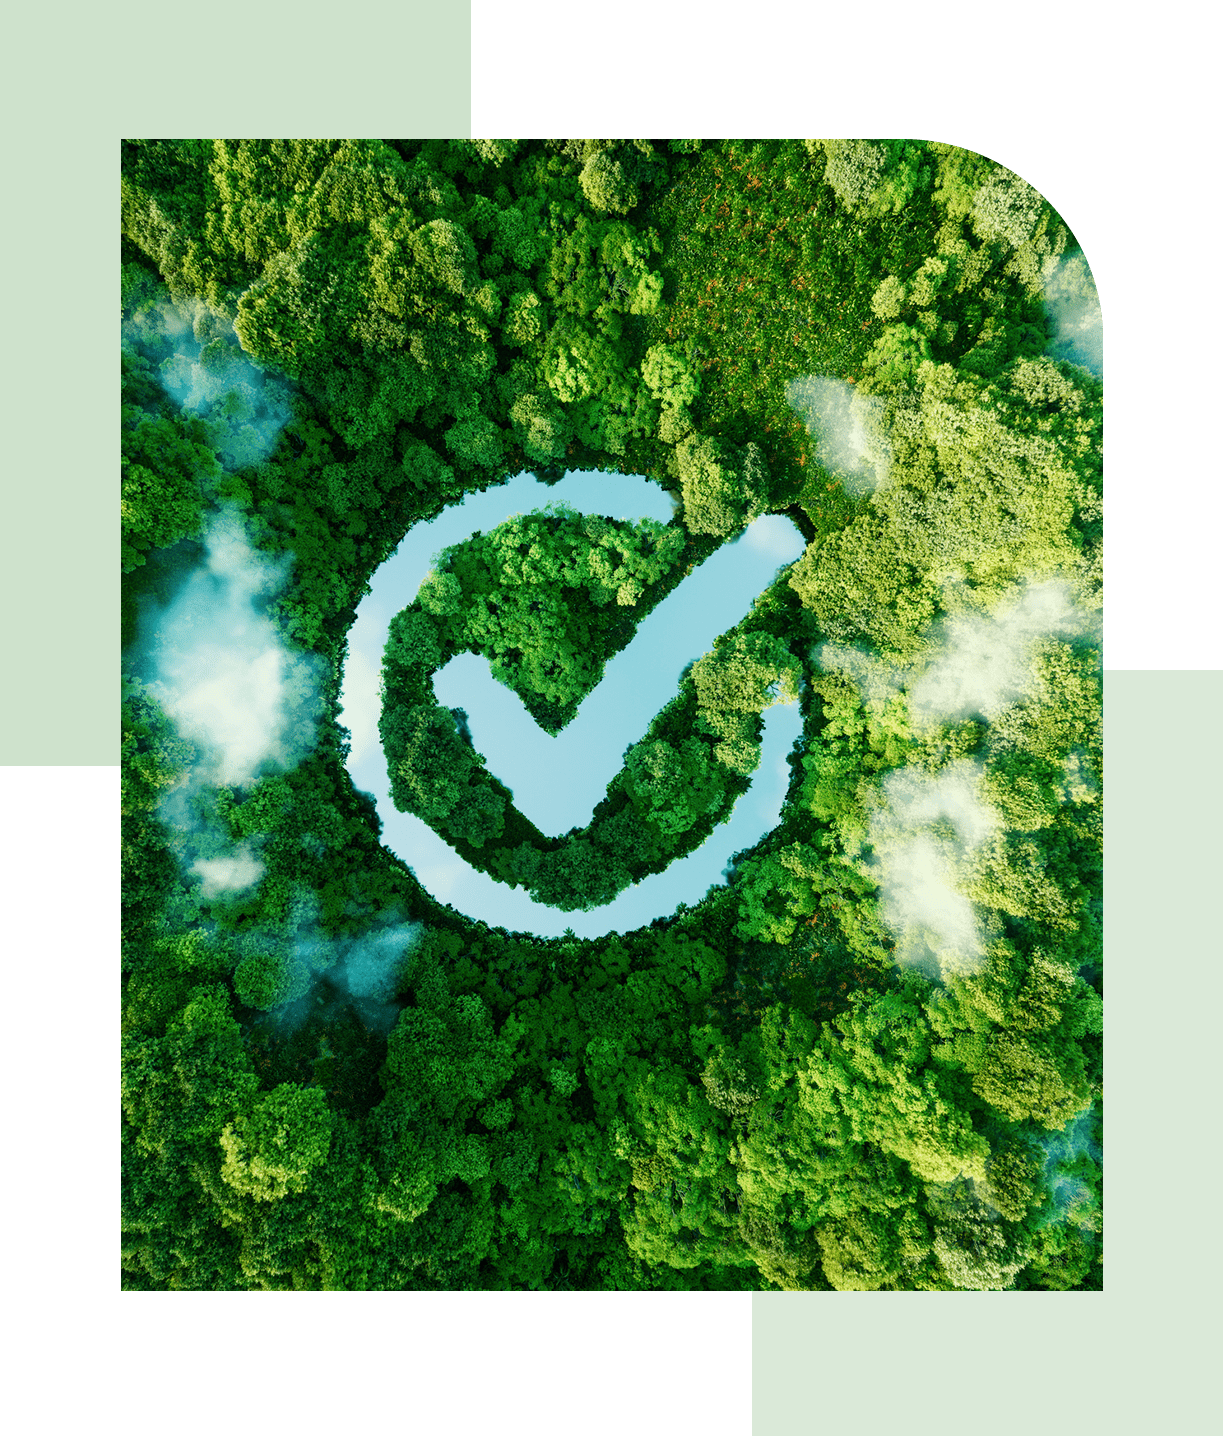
557, 781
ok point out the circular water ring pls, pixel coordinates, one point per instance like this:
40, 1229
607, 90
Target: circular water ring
721, 590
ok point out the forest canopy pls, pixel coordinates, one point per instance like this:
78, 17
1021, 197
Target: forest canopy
871, 1057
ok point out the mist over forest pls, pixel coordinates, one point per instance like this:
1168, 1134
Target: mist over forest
868, 1056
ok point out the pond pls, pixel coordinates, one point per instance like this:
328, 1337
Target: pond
557, 781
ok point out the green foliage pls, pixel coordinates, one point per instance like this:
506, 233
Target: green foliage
1011, 1185
727, 1084
743, 674
612, 173
748, 1094
541, 598
272, 1150
1063, 1258
169, 467
446, 1057
861, 583
671, 376
270, 979
873, 177
777, 891
672, 787
1006, 209
722, 490
1033, 1079
606, 185
977, 1253
433, 772
540, 427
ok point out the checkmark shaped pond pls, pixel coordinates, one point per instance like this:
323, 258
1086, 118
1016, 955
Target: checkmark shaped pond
557, 781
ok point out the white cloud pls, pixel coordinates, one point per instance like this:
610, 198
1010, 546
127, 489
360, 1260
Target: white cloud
984, 661
847, 427
246, 407
1074, 307
926, 833
223, 672
233, 873
976, 664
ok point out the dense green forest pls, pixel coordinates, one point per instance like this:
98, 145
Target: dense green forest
871, 1059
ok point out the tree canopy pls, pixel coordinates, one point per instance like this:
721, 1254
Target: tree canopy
870, 1058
